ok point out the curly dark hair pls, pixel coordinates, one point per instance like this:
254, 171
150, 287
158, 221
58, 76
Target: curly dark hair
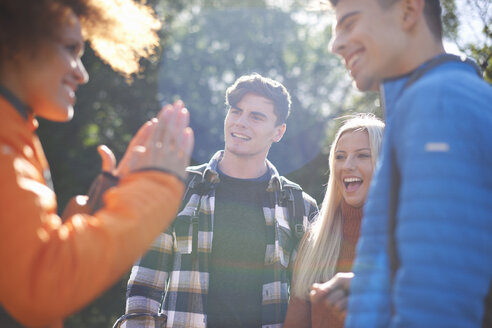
120, 32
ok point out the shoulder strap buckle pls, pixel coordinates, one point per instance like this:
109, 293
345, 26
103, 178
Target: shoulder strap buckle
292, 194
299, 230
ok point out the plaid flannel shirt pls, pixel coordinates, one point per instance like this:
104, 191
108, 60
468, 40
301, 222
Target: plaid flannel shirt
175, 264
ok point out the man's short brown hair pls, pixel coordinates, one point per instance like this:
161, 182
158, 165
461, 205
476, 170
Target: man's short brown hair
263, 87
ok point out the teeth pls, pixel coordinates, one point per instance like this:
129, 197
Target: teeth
69, 90
352, 60
349, 180
240, 136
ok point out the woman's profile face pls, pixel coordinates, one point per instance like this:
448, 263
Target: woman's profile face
52, 77
353, 167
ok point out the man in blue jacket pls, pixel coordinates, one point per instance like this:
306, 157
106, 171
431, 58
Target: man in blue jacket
424, 258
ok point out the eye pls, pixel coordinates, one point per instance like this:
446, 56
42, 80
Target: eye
339, 157
349, 25
258, 118
74, 49
234, 111
364, 155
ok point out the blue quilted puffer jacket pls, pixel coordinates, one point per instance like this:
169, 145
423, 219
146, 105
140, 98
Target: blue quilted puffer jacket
435, 179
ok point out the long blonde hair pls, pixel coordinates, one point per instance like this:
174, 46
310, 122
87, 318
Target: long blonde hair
319, 249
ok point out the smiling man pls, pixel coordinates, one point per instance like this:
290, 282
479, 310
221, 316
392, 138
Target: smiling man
226, 258
423, 259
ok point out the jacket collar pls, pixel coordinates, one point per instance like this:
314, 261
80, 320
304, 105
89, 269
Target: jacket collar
210, 173
19, 106
392, 88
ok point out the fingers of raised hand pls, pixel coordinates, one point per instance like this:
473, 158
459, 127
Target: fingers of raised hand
187, 143
167, 142
134, 149
168, 132
144, 133
107, 158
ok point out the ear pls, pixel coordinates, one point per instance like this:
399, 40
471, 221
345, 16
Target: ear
279, 132
413, 11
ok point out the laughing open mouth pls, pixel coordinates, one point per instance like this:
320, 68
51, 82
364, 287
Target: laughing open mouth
240, 136
352, 183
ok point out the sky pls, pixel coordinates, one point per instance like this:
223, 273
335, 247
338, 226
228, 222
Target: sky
471, 14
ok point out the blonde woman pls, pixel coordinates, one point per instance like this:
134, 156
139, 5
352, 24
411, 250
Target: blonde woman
329, 246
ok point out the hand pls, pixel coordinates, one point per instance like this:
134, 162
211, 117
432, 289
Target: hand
333, 293
88, 204
108, 160
164, 143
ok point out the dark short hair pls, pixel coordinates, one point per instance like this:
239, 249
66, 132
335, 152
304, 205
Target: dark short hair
432, 13
263, 87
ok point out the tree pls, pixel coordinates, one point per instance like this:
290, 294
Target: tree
467, 23
206, 45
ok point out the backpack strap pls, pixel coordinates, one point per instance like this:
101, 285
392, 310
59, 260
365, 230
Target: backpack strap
438, 61
292, 193
194, 184
487, 317
394, 260
193, 180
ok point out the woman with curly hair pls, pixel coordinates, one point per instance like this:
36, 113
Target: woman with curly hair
51, 268
329, 245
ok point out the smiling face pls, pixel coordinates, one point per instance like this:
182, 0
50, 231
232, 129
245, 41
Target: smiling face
353, 166
370, 40
49, 81
250, 127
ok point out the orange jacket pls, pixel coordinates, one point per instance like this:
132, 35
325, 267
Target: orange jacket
49, 268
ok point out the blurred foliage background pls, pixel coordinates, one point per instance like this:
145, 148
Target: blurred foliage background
205, 46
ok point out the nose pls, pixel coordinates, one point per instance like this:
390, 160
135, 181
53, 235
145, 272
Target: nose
79, 71
349, 163
241, 120
336, 44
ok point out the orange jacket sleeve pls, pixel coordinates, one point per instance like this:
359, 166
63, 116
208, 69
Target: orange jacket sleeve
49, 268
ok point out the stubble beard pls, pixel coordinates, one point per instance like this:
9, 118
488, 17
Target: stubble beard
245, 154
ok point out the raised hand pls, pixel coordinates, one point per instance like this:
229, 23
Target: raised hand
164, 143
108, 160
